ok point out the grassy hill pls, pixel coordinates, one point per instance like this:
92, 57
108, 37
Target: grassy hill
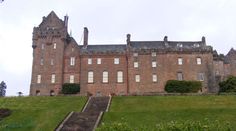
38, 113
149, 111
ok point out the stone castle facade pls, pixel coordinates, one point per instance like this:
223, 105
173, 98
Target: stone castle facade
134, 68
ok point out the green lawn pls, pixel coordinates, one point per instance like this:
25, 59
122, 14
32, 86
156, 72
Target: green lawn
139, 111
38, 113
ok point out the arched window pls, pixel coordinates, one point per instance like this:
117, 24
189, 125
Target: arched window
37, 92
52, 93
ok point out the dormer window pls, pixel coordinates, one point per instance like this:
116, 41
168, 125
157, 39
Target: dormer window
196, 45
135, 54
179, 45
55, 45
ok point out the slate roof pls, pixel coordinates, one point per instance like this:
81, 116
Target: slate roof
147, 45
104, 49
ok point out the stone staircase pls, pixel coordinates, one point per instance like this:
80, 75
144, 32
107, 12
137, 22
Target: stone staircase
89, 118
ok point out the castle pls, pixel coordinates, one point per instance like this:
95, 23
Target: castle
134, 68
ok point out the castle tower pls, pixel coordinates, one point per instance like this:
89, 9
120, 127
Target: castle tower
49, 41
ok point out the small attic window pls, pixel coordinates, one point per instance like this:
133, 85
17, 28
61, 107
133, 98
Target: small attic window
196, 45
179, 45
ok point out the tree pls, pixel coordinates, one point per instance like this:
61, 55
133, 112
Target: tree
3, 88
228, 85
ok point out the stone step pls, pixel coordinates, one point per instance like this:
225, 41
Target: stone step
89, 118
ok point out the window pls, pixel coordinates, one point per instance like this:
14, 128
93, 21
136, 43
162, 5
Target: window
99, 61
154, 77
38, 79
154, 54
72, 49
179, 45
154, 64
199, 61
54, 45
200, 76
116, 60
135, 64
89, 61
119, 76
137, 78
53, 78
90, 77
135, 54
52, 62
72, 78
196, 45
41, 61
72, 61
105, 77
180, 61
42, 47
180, 76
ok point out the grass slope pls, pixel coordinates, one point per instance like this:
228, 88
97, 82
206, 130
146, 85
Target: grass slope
138, 111
38, 113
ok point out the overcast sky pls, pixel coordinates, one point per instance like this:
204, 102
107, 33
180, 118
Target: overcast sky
108, 22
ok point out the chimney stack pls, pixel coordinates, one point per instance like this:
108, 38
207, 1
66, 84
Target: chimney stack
85, 37
166, 40
128, 39
204, 40
66, 21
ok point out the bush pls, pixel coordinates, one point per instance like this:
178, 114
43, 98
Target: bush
69, 88
175, 86
228, 85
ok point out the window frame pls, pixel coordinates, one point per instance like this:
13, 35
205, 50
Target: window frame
72, 79
53, 78
154, 78
99, 61
90, 77
137, 78
54, 45
72, 61
120, 77
199, 60
116, 61
39, 79
180, 61
136, 64
105, 77
90, 61
154, 64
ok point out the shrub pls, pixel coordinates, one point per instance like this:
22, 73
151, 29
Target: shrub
228, 85
69, 88
175, 86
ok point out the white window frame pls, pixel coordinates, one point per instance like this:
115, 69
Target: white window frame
72, 79
180, 76
53, 78
39, 77
52, 62
120, 77
116, 61
54, 45
99, 61
199, 61
180, 61
41, 61
90, 77
136, 64
72, 61
42, 46
135, 54
154, 54
105, 77
154, 77
154, 64
200, 77
137, 78
90, 61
